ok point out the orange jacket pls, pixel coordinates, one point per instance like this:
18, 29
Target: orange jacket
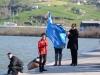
42, 44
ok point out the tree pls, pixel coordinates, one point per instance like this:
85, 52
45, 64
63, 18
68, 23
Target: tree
73, 9
14, 5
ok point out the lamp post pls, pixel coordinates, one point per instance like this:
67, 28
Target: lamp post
13, 16
10, 15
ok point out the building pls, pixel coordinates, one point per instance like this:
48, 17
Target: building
78, 3
85, 24
9, 24
84, 1
35, 6
98, 1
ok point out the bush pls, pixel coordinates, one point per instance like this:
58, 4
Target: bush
22, 31
90, 32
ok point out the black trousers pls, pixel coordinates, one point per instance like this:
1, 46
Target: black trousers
74, 56
15, 69
42, 61
58, 50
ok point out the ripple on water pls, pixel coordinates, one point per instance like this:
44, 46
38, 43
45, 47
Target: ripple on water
26, 49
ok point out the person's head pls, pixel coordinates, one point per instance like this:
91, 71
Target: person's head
73, 25
9, 55
43, 36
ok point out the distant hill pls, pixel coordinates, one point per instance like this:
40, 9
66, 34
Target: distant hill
62, 11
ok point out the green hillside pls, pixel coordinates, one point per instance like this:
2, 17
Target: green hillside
62, 12
2, 1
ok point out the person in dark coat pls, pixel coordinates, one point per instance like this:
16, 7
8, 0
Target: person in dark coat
73, 43
15, 66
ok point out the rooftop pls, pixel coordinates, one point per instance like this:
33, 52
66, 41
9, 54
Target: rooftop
91, 22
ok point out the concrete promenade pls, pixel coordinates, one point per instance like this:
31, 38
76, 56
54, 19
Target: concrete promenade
88, 64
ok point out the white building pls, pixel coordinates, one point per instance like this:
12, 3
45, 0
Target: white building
84, 1
78, 3
35, 7
98, 1
9, 24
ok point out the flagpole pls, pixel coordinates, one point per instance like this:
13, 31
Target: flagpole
55, 33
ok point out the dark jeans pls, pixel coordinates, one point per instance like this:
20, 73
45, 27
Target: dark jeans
41, 64
74, 56
58, 50
15, 69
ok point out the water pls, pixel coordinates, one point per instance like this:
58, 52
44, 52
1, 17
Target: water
26, 49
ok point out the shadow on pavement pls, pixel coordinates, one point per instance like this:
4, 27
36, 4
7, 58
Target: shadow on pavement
80, 68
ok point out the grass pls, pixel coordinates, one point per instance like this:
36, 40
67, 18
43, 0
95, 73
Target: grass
2, 22
54, 12
52, 2
59, 11
2, 1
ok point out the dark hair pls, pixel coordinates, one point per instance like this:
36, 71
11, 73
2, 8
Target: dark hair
43, 34
9, 53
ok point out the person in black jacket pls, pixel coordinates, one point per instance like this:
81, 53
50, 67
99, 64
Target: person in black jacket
73, 43
15, 66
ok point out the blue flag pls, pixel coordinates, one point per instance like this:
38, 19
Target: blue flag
55, 33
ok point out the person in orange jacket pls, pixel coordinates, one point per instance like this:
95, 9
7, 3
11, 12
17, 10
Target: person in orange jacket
42, 50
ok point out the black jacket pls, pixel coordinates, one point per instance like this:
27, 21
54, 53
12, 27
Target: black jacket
73, 39
15, 61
